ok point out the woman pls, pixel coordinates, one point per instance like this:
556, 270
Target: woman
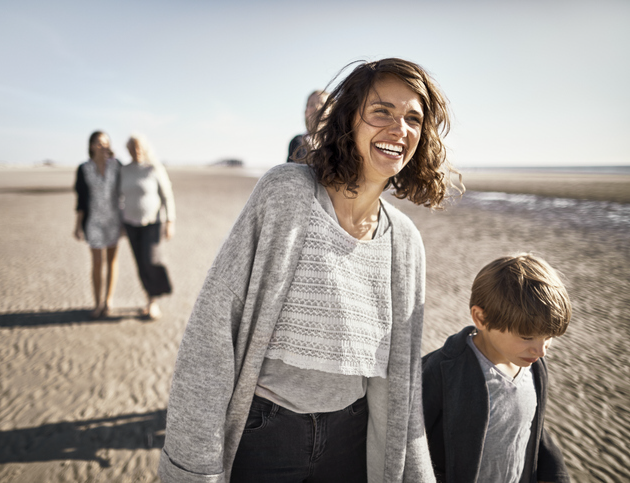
146, 188
301, 359
98, 216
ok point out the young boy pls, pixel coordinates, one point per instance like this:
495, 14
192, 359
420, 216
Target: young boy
484, 391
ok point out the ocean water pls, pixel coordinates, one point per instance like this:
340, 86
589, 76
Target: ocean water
606, 217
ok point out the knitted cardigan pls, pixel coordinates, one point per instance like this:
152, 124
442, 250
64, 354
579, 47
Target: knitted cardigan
228, 332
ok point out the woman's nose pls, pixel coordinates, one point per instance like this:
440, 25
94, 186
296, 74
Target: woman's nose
398, 126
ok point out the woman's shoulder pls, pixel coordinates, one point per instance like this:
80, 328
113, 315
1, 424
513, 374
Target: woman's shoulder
138, 169
288, 180
129, 167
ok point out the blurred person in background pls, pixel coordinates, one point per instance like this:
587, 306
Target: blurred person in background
314, 102
148, 212
98, 216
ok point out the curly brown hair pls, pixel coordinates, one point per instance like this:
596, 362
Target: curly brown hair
333, 154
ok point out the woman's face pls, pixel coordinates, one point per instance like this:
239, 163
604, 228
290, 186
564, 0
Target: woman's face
100, 147
134, 151
388, 132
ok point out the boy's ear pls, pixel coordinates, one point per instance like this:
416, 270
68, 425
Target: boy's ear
478, 317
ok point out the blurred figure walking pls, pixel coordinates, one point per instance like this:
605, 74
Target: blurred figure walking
98, 215
147, 200
314, 103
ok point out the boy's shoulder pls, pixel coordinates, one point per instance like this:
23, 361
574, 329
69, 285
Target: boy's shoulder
454, 346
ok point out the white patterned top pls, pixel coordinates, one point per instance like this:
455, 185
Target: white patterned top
103, 222
337, 317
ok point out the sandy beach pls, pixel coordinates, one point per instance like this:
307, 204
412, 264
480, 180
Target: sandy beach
85, 401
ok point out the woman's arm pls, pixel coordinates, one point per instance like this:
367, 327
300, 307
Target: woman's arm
78, 226
205, 371
202, 386
83, 195
224, 337
165, 190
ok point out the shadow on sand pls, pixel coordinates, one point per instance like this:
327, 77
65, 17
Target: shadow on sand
39, 319
81, 440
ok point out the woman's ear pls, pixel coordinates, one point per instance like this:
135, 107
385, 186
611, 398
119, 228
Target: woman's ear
478, 317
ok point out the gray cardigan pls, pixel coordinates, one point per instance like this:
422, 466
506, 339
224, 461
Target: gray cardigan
226, 339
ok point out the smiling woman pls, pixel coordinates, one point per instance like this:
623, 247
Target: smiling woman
416, 107
301, 359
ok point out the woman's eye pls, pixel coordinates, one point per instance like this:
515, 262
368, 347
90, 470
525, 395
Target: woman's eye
414, 120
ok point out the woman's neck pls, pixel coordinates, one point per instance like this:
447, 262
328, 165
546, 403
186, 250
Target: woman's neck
100, 162
357, 215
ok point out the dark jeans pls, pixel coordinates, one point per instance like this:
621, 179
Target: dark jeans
280, 446
145, 241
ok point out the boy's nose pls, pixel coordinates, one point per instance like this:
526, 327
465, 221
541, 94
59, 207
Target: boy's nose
540, 348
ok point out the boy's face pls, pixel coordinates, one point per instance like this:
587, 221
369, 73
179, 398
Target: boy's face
506, 348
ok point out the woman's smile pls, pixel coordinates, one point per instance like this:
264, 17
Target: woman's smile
394, 150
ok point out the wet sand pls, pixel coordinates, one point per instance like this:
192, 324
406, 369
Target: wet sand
583, 186
85, 401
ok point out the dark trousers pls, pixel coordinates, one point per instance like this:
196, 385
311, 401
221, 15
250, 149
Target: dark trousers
145, 241
280, 446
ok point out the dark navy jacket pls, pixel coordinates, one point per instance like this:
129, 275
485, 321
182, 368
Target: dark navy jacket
456, 412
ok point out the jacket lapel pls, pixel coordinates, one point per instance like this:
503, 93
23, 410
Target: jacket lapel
466, 409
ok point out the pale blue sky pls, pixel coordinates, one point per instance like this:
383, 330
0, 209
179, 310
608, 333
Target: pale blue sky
531, 83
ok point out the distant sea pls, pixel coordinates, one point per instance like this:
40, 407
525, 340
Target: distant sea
604, 216
571, 213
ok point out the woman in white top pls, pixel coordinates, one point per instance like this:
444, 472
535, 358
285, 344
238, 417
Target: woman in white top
301, 359
147, 202
98, 216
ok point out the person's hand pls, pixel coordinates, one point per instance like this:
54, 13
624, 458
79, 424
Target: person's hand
169, 230
78, 232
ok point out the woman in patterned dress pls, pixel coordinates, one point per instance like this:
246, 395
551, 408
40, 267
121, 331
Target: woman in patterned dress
301, 359
98, 216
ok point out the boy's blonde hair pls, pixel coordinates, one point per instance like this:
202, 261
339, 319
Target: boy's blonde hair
523, 295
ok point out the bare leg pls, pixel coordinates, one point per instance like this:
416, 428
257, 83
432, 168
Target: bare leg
112, 276
97, 275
